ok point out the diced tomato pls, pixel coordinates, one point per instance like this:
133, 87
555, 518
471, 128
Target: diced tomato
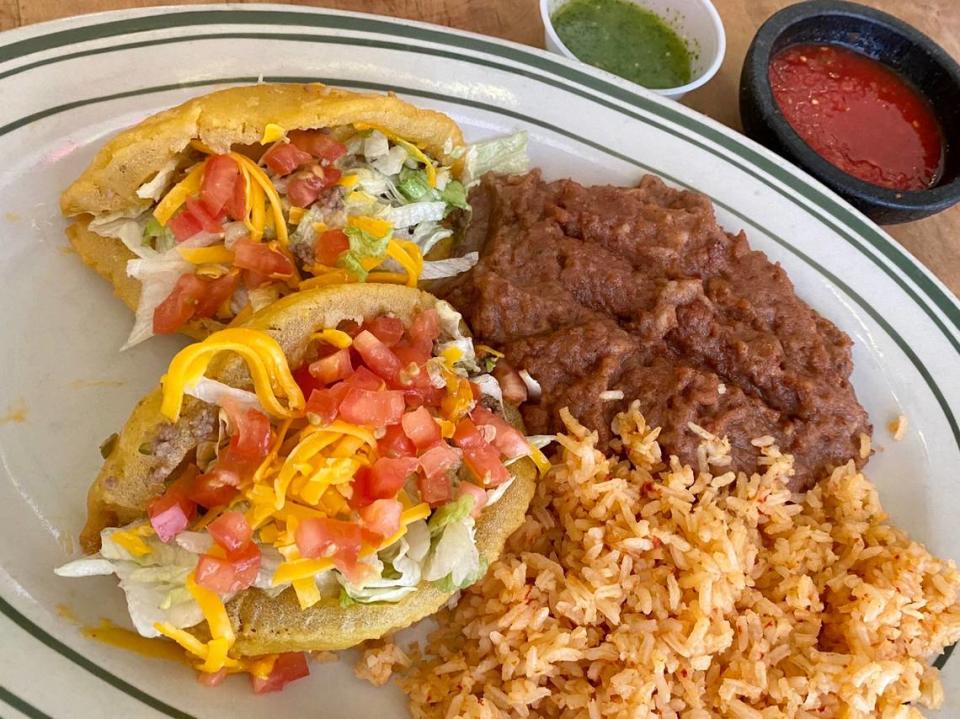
221, 174
424, 330
329, 246
485, 464
382, 517
467, 435
230, 530
217, 291
213, 679
262, 259
394, 443
365, 379
170, 513
180, 305
250, 440
317, 143
236, 207
325, 537
388, 330
508, 440
479, 497
306, 381
208, 221
288, 667
377, 356
216, 488
285, 157
325, 402
436, 465
184, 226
372, 408
233, 573
388, 475
421, 428
511, 384
408, 354
423, 397
305, 187
333, 367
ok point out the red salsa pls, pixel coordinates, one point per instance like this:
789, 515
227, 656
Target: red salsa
858, 115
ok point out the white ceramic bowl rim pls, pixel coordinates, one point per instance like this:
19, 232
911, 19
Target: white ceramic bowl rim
700, 80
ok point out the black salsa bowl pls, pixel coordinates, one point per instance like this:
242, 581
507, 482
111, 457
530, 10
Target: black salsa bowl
904, 49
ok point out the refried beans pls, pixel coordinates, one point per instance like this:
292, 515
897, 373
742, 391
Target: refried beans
638, 290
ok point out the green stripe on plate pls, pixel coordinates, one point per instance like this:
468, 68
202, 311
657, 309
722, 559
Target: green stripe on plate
81, 661
24, 707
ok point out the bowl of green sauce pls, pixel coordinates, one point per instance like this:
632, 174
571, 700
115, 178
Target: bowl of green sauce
668, 46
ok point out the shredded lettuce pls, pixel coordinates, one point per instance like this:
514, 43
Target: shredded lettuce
415, 213
157, 236
506, 155
413, 185
450, 267
214, 392
428, 234
157, 278
392, 162
455, 195
455, 556
362, 245
129, 230
451, 512
156, 188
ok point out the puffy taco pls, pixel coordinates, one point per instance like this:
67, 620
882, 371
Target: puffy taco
209, 211
334, 469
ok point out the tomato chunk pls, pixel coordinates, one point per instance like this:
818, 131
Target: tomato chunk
233, 573
317, 143
216, 488
424, 330
306, 381
372, 408
305, 187
250, 440
170, 514
394, 443
216, 292
285, 157
507, 440
388, 330
230, 530
325, 403
212, 679
484, 463
180, 305
377, 356
467, 435
421, 428
236, 207
208, 221
333, 367
329, 246
436, 465
262, 259
184, 226
382, 517
333, 538
365, 379
389, 474
288, 668
221, 174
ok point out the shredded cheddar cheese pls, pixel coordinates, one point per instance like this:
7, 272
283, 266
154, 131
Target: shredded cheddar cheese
294, 216
337, 338
132, 539
178, 194
264, 358
214, 254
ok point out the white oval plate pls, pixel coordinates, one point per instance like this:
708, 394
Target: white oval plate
69, 84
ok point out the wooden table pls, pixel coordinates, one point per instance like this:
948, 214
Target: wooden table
935, 241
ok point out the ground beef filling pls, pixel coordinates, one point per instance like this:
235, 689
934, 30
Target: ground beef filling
592, 289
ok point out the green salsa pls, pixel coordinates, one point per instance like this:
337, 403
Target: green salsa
623, 38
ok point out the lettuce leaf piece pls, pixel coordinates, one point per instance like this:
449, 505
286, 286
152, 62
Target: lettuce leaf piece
349, 261
157, 236
345, 599
454, 511
362, 245
414, 186
455, 194
506, 155
449, 583
455, 553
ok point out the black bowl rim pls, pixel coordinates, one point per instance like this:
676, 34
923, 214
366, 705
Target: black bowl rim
935, 198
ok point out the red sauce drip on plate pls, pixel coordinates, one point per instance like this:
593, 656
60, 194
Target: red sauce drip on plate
858, 115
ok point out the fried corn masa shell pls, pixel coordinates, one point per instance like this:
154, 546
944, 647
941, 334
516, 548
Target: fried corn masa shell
149, 450
233, 118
